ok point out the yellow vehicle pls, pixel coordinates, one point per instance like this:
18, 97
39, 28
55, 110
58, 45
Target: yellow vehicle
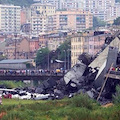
57, 70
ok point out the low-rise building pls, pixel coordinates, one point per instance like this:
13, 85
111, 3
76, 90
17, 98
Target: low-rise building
55, 40
34, 44
15, 64
89, 43
43, 41
17, 48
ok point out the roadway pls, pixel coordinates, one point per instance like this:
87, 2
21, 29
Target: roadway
20, 75
31, 77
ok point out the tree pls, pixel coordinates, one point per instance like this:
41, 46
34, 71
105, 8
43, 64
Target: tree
17, 2
62, 49
97, 22
64, 53
117, 21
42, 58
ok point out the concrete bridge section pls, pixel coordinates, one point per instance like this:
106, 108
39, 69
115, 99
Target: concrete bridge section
30, 77
115, 75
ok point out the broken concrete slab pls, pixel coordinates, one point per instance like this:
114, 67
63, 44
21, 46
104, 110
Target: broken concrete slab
75, 73
90, 94
97, 63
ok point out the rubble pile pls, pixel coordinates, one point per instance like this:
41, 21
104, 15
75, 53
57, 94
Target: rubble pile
87, 76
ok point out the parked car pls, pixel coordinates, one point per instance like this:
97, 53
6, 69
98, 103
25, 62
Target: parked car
8, 95
25, 95
15, 95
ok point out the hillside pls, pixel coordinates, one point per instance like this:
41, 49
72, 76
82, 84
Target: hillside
117, 0
17, 2
23, 2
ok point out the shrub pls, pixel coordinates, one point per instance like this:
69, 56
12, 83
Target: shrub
116, 97
11, 84
82, 100
79, 114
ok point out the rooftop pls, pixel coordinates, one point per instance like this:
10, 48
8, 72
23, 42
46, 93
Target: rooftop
15, 61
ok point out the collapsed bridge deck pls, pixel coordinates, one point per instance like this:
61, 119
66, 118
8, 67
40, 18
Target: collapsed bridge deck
114, 75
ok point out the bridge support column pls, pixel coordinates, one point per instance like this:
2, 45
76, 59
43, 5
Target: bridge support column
34, 83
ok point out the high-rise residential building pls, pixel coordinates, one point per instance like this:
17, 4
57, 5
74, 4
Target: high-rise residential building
74, 20
56, 3
23, 16
38, 24
64, 4
72, 4
100, 8
113, 12
42, 9
41, 17
98, 4
10, 18
51, 23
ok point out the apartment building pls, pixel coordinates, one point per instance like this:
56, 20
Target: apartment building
88, 43
56, 3
10, 20
42, 9
72, 4
74, 19
105, 10
23, 16
51, 23
41, 18
38, 24
113, 12
64, 4
55, 40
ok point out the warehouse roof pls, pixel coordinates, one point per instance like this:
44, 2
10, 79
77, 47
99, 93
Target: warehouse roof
15, 61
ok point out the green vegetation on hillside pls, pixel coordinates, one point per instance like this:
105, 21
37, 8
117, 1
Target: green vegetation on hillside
77, 108
23, 2
117, 0
17, 2
12, 84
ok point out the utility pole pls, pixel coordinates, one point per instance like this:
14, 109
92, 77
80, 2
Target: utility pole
15, 35
68, 59
48, 62
65, 61
29, 47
